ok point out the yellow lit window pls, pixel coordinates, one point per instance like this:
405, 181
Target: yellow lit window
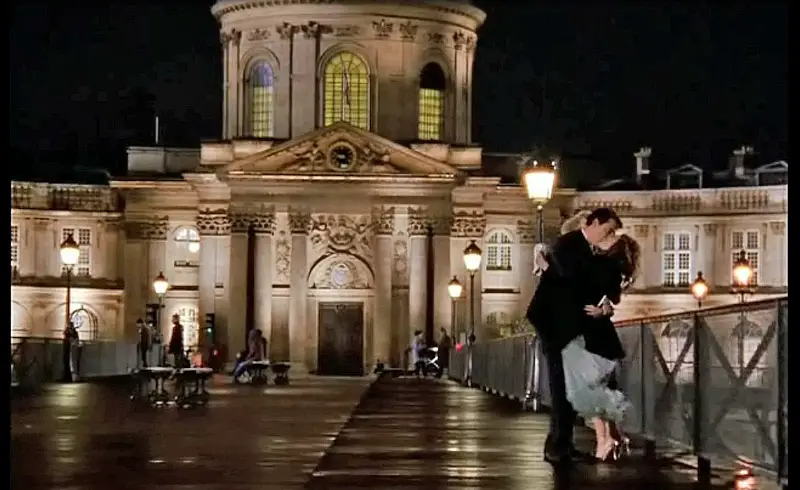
261, 100
346, 88
431, 103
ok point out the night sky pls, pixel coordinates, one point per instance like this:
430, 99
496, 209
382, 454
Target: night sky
597, 82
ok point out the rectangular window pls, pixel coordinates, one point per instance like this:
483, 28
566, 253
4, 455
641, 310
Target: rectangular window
748, 241
84, 238
14, 249
676, 259
431, 114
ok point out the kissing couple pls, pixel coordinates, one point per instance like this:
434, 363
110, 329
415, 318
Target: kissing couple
582, 277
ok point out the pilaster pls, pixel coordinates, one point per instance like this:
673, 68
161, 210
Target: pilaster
417, 261
298, 285
382, 322
468, 225
707, 252
214, 226
526, 238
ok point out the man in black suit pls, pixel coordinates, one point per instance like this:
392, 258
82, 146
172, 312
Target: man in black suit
556, 310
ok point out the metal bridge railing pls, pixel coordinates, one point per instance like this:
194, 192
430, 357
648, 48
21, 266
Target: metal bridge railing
711, 382
36, 361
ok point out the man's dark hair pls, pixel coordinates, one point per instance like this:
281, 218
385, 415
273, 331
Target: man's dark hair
603, 216
139, 320
417, 332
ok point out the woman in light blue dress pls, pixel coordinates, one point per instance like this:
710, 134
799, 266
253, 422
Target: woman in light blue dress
591, 359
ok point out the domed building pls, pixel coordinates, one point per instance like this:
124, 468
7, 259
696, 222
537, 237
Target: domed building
338, 204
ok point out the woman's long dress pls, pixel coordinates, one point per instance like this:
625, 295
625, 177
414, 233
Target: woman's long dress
591, 359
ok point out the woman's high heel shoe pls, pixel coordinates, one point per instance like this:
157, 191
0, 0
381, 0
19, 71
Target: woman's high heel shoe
623, 448
609, 449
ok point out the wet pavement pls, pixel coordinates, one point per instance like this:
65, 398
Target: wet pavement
404, 434
89, 436
436, 435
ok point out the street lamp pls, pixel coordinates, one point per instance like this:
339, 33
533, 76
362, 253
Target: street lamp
160, 286
454, 289
539, 181
699, 289
742, 275
70, 253
472, 261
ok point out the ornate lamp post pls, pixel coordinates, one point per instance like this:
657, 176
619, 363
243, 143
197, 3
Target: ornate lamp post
472, 261
742, 276
70, 252
160, 286
454, 289
539, 181
699, 289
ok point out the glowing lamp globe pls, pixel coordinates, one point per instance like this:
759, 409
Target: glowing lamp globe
454, 288
699, 287
742, 271
539, 181
472, 257
160, 285
194, 247
70, 251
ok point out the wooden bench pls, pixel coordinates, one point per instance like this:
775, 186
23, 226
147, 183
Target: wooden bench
150, 384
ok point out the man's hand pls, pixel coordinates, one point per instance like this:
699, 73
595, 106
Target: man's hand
597, 312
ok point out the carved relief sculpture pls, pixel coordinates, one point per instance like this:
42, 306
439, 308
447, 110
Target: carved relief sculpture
342, 273
777, 227
400, 262
283, 251
468, 224
261, 222
641, 231
147, 229
213, 222
436, 37
341, 234
346, 31
382, 28
258, 35
470, 44
710, 229
408, 31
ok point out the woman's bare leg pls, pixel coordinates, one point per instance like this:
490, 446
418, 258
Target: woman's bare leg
600, 434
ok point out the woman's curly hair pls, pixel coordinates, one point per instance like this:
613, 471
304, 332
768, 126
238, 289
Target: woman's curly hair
626, 251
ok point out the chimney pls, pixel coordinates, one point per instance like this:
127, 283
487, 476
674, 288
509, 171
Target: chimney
737, 161
642, 163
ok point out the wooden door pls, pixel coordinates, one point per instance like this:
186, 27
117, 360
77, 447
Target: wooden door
340, 351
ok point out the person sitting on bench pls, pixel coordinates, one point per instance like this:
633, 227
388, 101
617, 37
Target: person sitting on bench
256, 351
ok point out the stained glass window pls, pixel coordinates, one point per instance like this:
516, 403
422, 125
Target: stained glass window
261, 100
346, 88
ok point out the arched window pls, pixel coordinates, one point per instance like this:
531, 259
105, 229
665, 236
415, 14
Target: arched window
431, 103
346, 86
188, 318
260, 84
498, 251
673, 339
187, 247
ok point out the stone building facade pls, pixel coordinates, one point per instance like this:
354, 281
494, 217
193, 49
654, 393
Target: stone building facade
316, 217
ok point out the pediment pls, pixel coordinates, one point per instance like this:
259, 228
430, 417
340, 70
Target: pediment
339, 149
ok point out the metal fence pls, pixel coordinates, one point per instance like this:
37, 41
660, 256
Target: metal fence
711, 382
36, 361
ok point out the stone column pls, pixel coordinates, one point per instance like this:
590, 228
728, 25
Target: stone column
298, 286
526, 237
304, 78
145, 248
417, 260
706, 251
263, 226
214, 227
112, 250
442, 304
45, 244
382, 321
237, 285
28, 243
235, 87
